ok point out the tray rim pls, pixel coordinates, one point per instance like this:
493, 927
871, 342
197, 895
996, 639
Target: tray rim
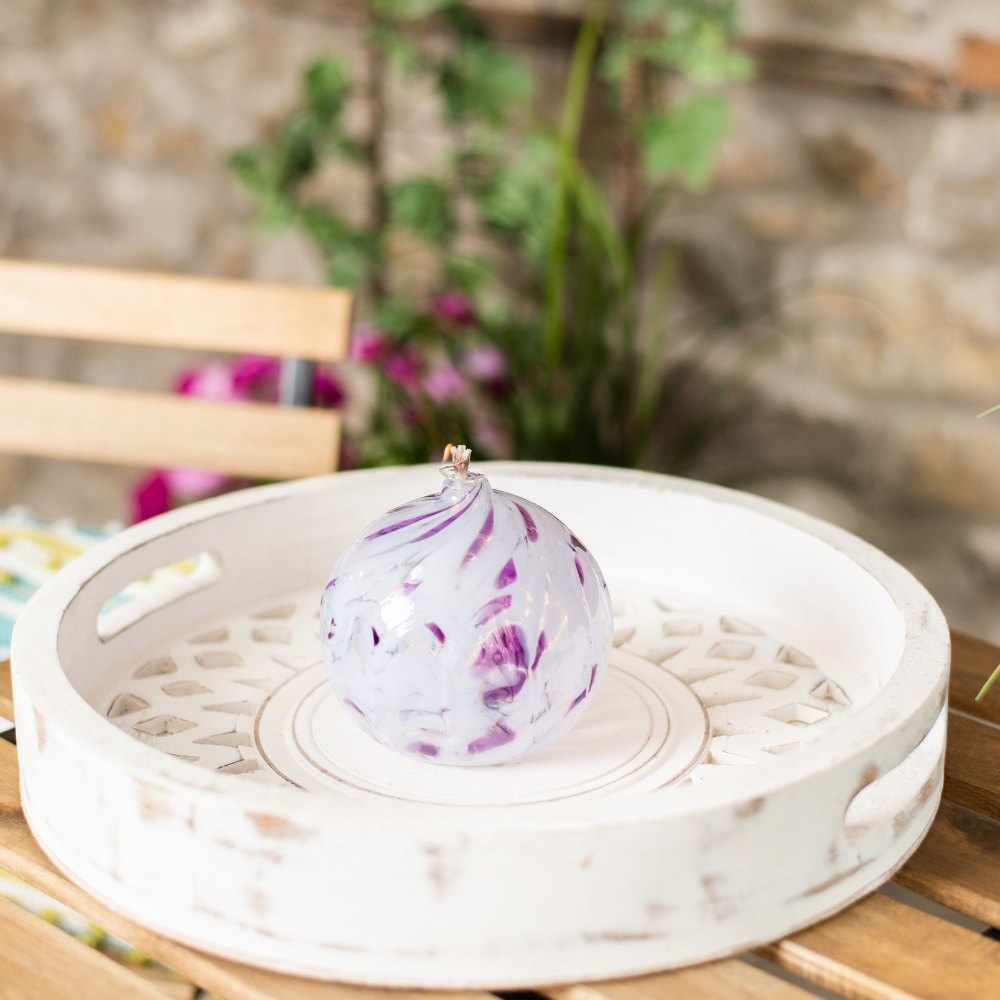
917, 687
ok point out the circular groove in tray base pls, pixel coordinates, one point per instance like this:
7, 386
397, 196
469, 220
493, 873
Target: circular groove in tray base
644, 730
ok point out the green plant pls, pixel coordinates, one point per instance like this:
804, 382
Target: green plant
579, 306
591, 375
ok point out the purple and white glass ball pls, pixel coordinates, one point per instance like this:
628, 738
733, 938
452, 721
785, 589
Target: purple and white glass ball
466, 627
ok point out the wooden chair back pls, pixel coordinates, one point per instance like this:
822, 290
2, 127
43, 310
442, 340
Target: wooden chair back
125, 427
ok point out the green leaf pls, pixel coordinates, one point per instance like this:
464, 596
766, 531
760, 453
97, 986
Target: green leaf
408, 10
326, 85
397, 46
702, 54
349, 252
594, 212
481, 81
518, 200
467, 272
423, 206
681, 142
393, 318
257, 173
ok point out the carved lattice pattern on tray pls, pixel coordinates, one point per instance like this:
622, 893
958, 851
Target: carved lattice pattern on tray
199, 699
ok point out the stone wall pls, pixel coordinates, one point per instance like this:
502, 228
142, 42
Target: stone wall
871, 210
856, 206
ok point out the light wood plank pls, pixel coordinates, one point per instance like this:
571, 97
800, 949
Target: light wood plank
728, 980
880, 949
202, 314
41, 962
21, 856
96, 424
6, 692
958, 864
10, 791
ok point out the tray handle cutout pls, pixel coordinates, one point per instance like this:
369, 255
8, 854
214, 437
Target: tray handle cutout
159, 589
898, 795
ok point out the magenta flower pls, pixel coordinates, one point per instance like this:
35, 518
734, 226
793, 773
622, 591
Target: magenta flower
214, 382
257, 377
327, 389
403, 368
455, 309
186, 483
150, 496
485, 363
367, 344
442, 383
249, 377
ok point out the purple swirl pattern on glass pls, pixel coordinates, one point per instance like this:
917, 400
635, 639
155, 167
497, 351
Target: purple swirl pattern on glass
467, 627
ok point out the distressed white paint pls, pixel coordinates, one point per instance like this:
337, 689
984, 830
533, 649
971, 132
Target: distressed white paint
425, 888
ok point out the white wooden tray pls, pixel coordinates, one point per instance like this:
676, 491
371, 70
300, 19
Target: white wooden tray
766, 747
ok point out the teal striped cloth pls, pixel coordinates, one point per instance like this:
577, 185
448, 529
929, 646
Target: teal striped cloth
32, 550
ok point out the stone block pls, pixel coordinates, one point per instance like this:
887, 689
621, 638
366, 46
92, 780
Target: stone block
953, 201
852, 159
887, 319
954, 460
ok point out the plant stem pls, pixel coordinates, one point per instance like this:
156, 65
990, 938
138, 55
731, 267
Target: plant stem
650, 372
570, 123
989, 683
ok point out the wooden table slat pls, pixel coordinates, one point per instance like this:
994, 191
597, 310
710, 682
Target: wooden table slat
972, 764
6, 694
41, 962
880, 949
727, 980
958, 864
972, 662
10, 791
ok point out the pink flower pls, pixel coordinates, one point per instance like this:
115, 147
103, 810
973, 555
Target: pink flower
327, 390
485, 363
186, 483
367, 344
150, 496
442, 383
257, 376
214, 382
403, 368
455, 309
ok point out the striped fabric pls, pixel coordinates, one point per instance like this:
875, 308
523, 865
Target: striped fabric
32, 550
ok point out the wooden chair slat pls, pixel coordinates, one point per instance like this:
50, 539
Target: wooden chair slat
166, 310
91, 423
880, 949
972, 662
41, 962
972, 765
726, 980
958, 864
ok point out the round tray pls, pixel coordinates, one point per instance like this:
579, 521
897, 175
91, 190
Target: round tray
766, 747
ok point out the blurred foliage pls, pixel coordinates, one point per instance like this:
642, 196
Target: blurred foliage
557, 345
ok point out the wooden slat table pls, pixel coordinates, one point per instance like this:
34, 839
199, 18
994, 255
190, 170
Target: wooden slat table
878, 949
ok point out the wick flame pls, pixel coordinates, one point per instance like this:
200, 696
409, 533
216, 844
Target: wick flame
458, 468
